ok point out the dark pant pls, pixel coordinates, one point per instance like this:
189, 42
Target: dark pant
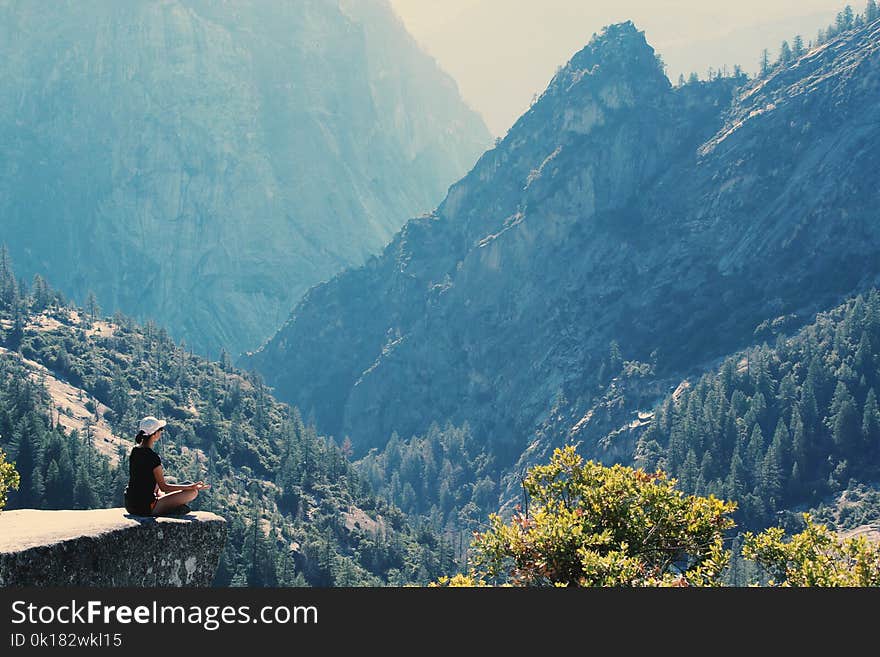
139, 507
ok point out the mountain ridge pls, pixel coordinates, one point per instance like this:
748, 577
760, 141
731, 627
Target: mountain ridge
595, 220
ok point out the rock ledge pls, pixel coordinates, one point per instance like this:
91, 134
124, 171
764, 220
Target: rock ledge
108, 547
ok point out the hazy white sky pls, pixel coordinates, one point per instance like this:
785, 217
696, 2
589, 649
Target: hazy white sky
501, 52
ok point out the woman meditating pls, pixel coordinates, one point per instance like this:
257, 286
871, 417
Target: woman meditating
146, 477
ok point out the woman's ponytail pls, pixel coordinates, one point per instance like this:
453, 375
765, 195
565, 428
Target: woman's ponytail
141, 437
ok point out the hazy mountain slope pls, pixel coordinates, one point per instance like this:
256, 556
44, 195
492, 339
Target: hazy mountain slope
672, 220
204, 163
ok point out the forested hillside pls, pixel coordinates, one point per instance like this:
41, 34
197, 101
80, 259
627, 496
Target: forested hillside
443, 477
72, 387
784, 425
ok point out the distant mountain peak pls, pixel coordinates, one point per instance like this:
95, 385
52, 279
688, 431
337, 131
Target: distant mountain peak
621, 50
616, 70
615, 40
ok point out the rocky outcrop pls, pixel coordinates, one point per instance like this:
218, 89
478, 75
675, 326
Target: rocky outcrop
108, 547
204, 163
671, 220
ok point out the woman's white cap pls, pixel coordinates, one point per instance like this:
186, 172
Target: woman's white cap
150, 425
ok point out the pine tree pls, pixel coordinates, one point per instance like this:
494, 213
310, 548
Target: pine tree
871, 11
844, 419
689, 471
736, 478
871, 421
40, 293
225, 360
8, 285
809, 407
765, 63
755, 451
54, 488
92, 307
38, 489
799, 446
797, 46
25, 461
786, 394
16, 334
707, 467
615, 359
84, 496
848, 18
326, 558
771, 478
863, 355
781, 444
251, 548
285, 569
66, 470
757, 409
785, 54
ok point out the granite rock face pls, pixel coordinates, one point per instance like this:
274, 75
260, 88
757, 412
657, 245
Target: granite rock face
108, 547
618, 208
204, 163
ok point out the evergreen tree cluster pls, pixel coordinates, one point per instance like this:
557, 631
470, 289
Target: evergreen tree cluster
58, 470
443, 477
846, 19
779, 426
288, 494
720, 73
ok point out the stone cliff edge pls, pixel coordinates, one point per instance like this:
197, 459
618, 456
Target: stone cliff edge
108, 547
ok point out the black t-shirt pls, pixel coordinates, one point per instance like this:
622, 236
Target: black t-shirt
141, 481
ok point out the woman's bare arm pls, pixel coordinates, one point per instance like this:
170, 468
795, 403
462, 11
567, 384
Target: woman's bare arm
165, 487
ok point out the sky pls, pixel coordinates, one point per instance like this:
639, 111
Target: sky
502, 52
